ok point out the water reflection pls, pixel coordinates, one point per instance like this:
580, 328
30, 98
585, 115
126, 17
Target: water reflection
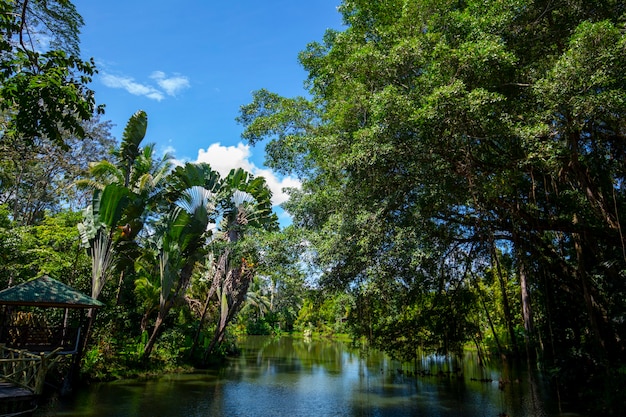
295, 377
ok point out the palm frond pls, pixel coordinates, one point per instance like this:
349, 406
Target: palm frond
240, 197
106, 172
133, 134
102, 258
196, 197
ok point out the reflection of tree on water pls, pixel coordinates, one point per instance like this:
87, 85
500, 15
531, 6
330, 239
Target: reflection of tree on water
292, 354
454, 382
534, 404
516, 382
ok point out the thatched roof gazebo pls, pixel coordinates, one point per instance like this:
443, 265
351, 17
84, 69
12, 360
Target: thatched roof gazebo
23, 330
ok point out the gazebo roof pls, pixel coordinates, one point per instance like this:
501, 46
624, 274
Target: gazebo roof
47, 292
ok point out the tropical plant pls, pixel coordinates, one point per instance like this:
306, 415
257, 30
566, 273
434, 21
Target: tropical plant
245, 203
181, 244
256, 300
128, 186
121, 196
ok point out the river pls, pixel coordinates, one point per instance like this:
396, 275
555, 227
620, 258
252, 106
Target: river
294, 377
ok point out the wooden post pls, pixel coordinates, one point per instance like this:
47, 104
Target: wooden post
40, 378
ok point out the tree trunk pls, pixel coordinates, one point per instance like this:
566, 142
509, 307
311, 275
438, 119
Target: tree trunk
233, 295
218, 337
118, 297
217, 278
491, 326
91, 317
150, 345
527, 313
582, 277
143, 326
505, 304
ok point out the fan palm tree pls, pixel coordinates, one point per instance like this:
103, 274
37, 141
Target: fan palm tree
125, 189
134, 168
246, 203
195, 199
182, 237
121, 192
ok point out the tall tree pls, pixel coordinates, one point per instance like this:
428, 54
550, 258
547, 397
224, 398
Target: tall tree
43, 79
123, 192
440, 130
246, 205
39, 179
282, 267
199, 199
181, 242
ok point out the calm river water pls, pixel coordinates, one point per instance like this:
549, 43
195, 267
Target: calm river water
293, 377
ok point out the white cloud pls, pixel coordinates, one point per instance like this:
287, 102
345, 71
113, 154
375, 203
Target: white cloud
166, 85
224, 158
129, 84
171, 85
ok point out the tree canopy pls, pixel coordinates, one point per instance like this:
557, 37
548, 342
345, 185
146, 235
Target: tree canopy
43, 80
442, 136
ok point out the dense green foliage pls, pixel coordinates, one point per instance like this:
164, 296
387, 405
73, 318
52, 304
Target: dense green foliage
181, 240
43, 81
463, 174
274, 300
51, 247
463, 167
35, 180
170, 251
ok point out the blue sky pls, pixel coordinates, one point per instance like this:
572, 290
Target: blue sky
191, 65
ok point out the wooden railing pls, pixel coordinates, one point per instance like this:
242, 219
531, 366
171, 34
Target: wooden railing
40, 338
25, 369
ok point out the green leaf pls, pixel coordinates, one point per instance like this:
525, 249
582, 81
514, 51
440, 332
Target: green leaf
109, 204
